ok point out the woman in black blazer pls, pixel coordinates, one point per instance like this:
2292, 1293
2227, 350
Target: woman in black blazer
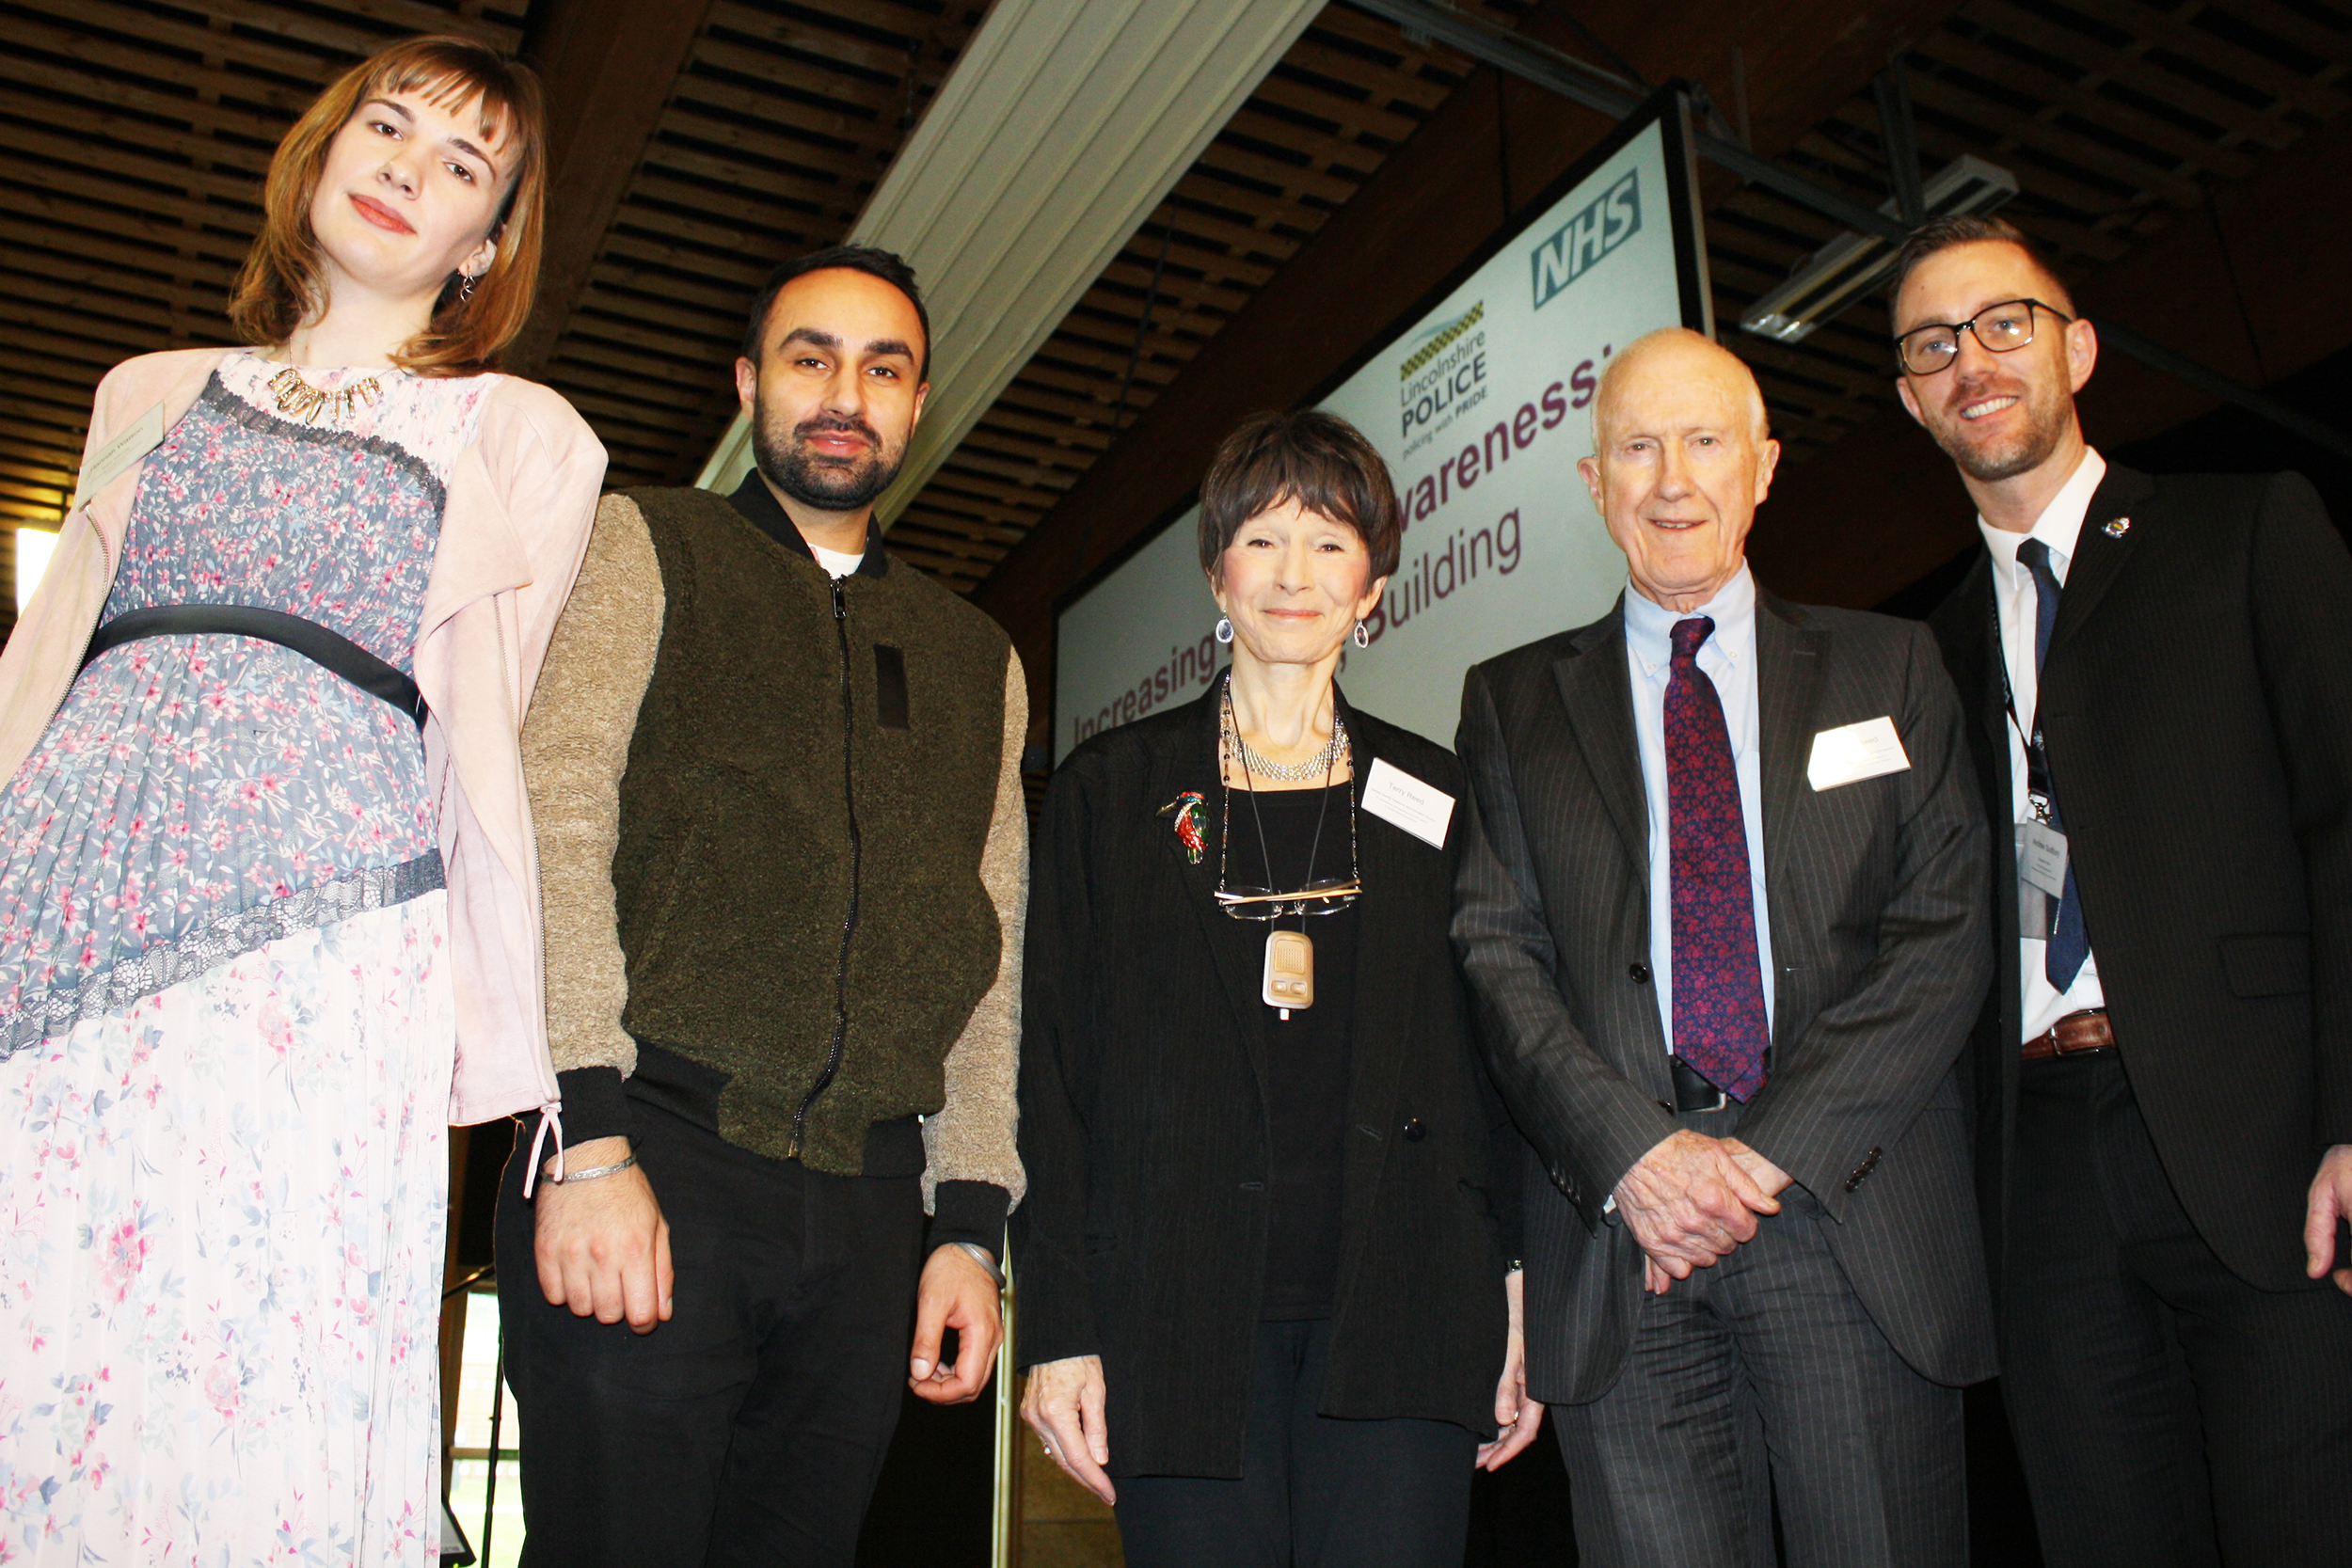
1262, 1265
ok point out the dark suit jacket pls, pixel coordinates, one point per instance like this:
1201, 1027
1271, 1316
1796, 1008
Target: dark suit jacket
1143, 1125
1877, 894
2196, 705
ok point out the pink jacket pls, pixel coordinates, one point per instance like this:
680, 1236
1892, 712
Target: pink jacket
519, 503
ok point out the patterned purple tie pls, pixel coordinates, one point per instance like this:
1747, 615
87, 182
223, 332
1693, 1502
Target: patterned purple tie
1718, 994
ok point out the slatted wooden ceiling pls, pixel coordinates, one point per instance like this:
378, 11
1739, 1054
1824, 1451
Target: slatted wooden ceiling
135, 133
2115, 116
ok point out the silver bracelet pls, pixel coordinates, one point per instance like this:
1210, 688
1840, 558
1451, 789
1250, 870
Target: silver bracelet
981, 1254
591, 1173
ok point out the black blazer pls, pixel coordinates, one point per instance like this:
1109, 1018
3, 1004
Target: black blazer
1142, 1239
1877, 895
2196, 705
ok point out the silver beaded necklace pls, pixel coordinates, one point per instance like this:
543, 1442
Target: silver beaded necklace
1316, 766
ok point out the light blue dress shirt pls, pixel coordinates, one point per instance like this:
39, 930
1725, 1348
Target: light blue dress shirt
1728, 657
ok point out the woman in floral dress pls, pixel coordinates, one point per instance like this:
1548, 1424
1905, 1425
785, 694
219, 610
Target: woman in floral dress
261, 933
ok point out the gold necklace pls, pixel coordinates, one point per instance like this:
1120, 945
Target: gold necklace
297, 399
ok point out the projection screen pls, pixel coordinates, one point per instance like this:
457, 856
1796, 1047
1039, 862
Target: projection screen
1479, 402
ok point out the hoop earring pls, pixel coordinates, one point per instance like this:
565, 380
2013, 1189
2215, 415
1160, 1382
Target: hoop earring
1224, 629
1364, 637
465, 290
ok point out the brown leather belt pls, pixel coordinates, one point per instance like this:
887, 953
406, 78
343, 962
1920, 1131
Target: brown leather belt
2072, 1036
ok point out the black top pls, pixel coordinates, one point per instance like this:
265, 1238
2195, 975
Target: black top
1307, 1057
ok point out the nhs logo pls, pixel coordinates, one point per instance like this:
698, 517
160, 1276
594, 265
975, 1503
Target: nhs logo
1614, 217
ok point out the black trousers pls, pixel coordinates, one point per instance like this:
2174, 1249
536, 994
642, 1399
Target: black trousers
2169, 1414
1315, 1492
751, 1427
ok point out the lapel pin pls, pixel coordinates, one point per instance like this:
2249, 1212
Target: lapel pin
1191, 813
2119, 528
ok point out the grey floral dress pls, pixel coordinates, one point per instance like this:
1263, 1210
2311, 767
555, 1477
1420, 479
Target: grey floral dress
226, 1032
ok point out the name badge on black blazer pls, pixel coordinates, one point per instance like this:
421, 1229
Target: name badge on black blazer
1395, 796
890, 686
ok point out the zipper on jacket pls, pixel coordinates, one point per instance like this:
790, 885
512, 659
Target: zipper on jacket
848, 917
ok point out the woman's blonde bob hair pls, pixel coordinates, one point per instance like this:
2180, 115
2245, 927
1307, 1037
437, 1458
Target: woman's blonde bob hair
283, 285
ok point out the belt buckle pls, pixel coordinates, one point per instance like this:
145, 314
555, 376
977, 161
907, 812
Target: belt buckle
1723, 1102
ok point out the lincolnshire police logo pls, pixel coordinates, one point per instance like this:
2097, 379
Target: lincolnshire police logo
1612, 219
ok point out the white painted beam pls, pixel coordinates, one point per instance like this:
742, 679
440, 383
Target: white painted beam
1050, 143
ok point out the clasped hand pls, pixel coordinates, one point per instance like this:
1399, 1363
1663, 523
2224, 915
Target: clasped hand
1692, 1198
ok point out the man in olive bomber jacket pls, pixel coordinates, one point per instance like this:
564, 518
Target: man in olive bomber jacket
775, 782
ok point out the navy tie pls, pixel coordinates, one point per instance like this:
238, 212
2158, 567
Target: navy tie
1718, 984
2070, 941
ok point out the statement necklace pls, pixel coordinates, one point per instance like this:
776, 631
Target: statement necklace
299, 400
1287, 981
1316, 766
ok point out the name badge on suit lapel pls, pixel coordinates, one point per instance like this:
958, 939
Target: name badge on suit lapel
1852, 752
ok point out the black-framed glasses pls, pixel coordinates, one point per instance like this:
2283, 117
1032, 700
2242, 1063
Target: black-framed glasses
1325, 895
2002, 328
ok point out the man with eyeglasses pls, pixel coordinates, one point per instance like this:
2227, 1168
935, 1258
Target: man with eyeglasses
2162, 696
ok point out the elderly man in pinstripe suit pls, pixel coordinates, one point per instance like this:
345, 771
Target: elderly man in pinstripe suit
1725, 914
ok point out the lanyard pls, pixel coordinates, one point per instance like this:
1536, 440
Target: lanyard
2037, 760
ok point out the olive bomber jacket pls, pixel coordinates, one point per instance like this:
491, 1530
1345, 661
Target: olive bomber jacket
800, 958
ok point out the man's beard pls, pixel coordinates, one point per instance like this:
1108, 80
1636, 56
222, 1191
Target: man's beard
2020, 453
826, 485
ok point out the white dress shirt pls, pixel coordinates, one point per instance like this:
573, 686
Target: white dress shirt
1728, 657
2059, 526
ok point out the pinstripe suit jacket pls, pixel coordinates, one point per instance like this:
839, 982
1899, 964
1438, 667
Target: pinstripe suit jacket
1879, 944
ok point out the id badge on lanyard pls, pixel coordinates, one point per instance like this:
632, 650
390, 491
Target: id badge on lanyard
2040, 843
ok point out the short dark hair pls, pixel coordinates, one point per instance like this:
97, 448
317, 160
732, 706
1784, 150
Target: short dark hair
870, 259
1316, 459
1944, 233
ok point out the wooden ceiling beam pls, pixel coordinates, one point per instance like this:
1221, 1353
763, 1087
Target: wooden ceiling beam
2027, 76
62, 217
31, 512
792, 32
2266, 127
134, 137
194, 214
2290, 26
2002, 121
392, 18
608, 71
143, 24
724, 300
265, 130
630, 246
136, 174
829, 199
87, 256
2181, 35
67, 404
822, 123
1350, 114
833, 86
109, 53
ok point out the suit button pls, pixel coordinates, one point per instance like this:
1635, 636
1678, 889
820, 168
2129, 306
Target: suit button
1416, 1129
1638, 973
